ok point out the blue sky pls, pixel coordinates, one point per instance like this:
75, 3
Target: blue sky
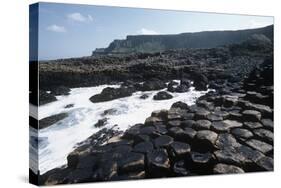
71, 30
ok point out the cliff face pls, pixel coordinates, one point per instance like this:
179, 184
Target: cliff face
206, 39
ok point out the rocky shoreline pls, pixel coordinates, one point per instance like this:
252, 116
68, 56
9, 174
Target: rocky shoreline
229, 130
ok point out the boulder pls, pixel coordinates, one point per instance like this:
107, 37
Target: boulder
153, 85
48, 121
60, 90
144, 96
180, 105
110, 93
267, 123
162, 95
101, 123
266, 163
202, 114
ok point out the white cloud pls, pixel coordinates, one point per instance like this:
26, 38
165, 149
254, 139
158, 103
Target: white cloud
145, 31
56, 28
78, 17
256, 24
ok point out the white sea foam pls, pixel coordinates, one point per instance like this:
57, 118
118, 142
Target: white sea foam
58, 140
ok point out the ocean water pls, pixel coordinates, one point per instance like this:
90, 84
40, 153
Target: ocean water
58, 140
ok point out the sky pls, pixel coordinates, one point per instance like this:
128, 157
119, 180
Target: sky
71, 30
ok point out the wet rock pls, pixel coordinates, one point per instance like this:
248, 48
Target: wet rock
163, 141
158, 163
230, 156
162, 95
202, 114
267, 123
72, 159
214, 117
223, 114
180, 105
101, 123
201, 162
265, 110
61, 90
143, 147
149, 130
179, 149
202, 124
153, 85
232, 124
69, 106
205, 140
144, 96
219, 126
242, 133
188, 123
131, 163
226, 140
179, 168
45, 97
229, 101
253, 125
266, 163
110, 93
48, 121
264, 135
259, 145
227, 169
150, 121
181, 88
174, 123
110, 111
189, 133
251, 115
175, 113
235, 116
106, 171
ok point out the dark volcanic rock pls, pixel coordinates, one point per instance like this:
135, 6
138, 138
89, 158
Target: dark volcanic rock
180, 149
110, 93
251, 115
267, 123
132, 162
163, 141
48, 121
226, 140
202, 124
162, 95
179, 168
153, 85
204, 140
266, 163
180, 105
143, 147
69, 106
158, 163
259, 145
227, 169
61, 90
45, 97
101, 123
242, 133
144, 96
